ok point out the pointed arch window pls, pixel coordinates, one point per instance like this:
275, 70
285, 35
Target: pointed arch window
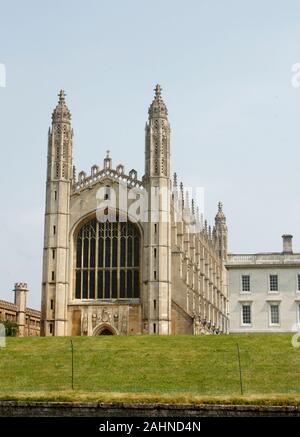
107, 261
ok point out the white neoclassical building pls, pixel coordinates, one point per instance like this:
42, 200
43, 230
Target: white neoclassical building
264, 290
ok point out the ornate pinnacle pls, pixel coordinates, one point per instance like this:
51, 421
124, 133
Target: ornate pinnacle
187, 199
158, 107
220, 217
175, 180
61, 113
61, 96
74, 173
107, 160
193, 207
158, 91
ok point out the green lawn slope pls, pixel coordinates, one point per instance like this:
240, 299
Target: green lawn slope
152, 368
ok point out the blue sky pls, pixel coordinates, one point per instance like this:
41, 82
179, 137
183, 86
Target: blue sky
225, 70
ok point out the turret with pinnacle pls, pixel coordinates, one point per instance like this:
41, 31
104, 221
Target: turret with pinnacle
60, 176
158, 233
221, 232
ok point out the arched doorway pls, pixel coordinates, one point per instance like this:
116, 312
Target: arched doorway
105, 329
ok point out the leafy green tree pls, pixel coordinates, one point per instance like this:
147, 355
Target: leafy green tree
11, 328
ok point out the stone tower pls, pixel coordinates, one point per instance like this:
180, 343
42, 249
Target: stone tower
56, 241
221, 232
21, 290
157, 249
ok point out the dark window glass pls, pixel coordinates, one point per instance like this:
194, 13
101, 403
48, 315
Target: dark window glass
85, 284
114, 285
122, 284
113, 250
78, 284
100, 284
92, 284
129, 252
92, 254
129, 284
100, 252
107, 252
137, 252
107, 284
136, 289
123, 251
85, 252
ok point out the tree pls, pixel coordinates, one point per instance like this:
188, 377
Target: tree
11, 328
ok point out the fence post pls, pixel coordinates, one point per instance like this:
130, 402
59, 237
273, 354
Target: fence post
240, 368
72, 355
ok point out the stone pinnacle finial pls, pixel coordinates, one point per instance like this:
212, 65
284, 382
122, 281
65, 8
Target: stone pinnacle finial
61, 113
107, 163
158, 91
187, 200
205, 225
181, 194
193, 207
74, 173
61, 96
220, 217
175, 180
158, 108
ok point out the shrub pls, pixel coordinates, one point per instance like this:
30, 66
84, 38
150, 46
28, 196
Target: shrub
11, 328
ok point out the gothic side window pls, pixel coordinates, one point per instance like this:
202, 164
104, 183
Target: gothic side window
107, 261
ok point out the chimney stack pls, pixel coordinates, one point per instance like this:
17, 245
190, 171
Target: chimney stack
287, 244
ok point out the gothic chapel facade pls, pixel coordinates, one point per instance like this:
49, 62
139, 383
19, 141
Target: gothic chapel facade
161, 274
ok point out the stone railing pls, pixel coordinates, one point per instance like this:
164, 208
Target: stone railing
85, 181
263, 258
8, 305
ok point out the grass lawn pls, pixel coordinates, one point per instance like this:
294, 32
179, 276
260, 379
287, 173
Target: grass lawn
152, 369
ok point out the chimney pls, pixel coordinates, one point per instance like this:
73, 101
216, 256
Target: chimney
287, 244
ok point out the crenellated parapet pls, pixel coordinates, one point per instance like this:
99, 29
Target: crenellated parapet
21, 286
98, 174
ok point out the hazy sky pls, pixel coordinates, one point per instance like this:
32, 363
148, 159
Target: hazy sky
225, 70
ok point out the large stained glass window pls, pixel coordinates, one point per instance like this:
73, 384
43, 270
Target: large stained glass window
107, 261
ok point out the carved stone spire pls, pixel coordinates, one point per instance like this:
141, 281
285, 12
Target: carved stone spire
158, 108
61, 113
175, 180
157, 181
107, 163
60, 176
181, 195
193, 207
157, 151
187, 200
220, 217
221, 232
